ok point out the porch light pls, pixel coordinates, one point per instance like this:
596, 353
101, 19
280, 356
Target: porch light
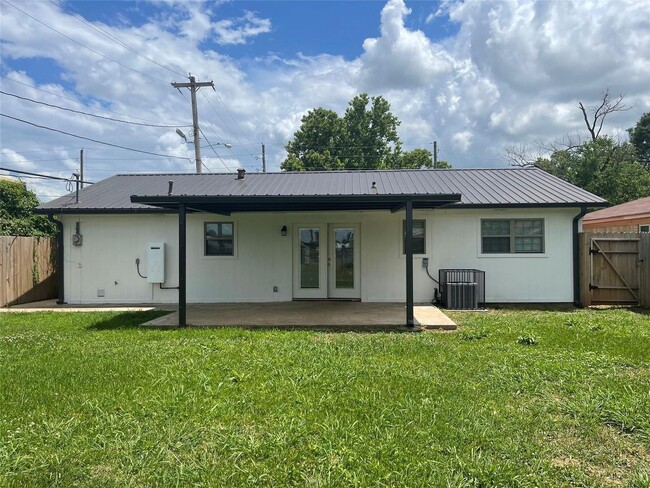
283, 231
373, 188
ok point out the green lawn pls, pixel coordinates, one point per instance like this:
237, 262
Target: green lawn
514, 398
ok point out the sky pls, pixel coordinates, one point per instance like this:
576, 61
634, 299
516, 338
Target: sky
475, 76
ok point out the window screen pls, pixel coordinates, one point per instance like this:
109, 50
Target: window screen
219, 239
419, 237
505, 236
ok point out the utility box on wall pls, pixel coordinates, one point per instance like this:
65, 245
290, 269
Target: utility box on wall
156, 262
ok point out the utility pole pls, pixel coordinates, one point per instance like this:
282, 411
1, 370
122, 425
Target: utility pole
263, 158
81, 167
76, 177
435, 154
194, 86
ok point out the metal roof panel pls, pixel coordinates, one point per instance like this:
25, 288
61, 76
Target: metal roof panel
478, 187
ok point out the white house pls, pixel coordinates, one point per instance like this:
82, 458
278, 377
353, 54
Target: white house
319, 235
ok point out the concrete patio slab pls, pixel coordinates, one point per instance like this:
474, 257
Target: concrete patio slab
314, 315
431, 317
52, 306
329, 315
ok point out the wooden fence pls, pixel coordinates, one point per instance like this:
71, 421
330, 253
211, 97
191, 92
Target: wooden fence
614, 268
28, 269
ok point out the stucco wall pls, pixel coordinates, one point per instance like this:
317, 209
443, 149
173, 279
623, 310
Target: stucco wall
264, 259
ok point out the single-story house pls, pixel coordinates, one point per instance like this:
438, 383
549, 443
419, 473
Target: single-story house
373, 236
632, 216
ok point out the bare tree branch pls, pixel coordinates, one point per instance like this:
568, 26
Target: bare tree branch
608, 105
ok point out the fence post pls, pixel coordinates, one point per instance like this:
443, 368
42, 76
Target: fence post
644, 263
584, 240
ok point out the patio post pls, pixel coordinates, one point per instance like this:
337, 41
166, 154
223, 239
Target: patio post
182, 269
408, 249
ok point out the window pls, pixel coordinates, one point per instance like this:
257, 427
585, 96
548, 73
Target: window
519, 236
644, 228
419, 237
219, 239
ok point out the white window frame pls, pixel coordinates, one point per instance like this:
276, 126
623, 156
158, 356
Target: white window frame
643, 228
512, 236
204, 254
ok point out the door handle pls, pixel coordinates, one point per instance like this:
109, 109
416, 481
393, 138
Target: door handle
329, 261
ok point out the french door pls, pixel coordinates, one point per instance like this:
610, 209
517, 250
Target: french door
326, 261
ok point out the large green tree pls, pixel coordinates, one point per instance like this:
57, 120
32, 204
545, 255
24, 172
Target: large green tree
317, 144
602, 166
365, 137
640, 139
418, 159
17, 216
370, 134
616, 171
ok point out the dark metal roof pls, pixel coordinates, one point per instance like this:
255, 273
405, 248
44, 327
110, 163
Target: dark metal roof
502, 187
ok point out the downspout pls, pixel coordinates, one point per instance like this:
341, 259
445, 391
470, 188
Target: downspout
59, 257
576, 257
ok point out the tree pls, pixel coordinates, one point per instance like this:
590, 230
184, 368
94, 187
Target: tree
316, 145
416, 159
524, 155
364, 138
640, 139
17, 216
604, 167
598, 114
370, 134
600, 165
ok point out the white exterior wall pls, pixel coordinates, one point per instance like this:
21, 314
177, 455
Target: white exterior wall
264, 259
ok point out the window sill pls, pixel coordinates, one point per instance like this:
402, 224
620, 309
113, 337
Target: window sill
219, 258
518, 255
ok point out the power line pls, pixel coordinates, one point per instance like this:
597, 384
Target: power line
39, 175
215, 151
223, 120
95, 140
86, 113
78, 102
30, 161
115, 39
81, 44
229, 113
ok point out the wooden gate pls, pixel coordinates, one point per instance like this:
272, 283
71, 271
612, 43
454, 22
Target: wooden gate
28, 269
615, 269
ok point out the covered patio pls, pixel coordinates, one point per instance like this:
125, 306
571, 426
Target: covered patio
312, 315
356, 198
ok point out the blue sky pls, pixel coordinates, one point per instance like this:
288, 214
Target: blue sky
475, 76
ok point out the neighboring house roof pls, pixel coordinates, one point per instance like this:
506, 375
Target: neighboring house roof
503, 187
630, 210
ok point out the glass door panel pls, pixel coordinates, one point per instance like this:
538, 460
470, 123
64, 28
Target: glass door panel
344, 250
343, 262
309, 261
309, 257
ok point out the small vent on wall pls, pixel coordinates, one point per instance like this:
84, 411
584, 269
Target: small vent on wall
101, 292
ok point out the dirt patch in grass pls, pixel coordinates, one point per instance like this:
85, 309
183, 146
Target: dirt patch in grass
602, 454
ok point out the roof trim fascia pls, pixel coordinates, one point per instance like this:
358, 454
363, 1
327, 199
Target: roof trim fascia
456, 206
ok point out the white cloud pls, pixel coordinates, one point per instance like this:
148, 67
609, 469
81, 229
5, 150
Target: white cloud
462, 140
239, 30
512, 74
401, 58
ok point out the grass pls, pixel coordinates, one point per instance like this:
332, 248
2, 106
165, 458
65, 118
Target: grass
515, 398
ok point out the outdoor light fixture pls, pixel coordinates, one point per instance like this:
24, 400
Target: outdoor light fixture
181, 134
373, 188
283, 231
